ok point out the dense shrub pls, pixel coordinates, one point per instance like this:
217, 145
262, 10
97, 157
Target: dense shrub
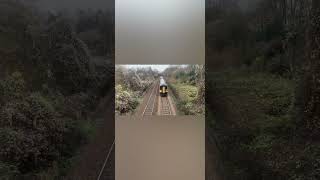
103, 79
126, 100
46, 98
12, 88
187, 84
131, 85
187, 98
27, 150
70, 59
254, 112
31, 131
7, 170
38, 129
48, 85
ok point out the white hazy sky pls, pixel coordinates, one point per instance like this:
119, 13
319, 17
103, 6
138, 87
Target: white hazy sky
160, 68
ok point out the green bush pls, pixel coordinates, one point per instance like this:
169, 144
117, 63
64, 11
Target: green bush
86, 130
187, 97
12, 88
35, 130
26, 150
48, 86
262, 143
126, 101
31, 132
253, 113
7, 170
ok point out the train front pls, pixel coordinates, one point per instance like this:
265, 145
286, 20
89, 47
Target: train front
163, 87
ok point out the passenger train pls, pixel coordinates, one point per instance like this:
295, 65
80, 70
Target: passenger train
163, 87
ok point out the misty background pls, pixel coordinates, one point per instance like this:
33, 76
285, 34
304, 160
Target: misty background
71, 5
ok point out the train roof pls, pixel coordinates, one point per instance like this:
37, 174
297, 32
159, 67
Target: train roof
162, 82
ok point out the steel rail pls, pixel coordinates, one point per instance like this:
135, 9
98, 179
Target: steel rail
106, 160
148, 102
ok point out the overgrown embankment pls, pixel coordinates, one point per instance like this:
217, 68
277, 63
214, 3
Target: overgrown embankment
131, 85
186, 97
49, 84
252, 117
187, 85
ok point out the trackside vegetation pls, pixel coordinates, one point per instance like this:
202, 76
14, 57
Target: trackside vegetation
131, 85
50, 82
187, 86
262, 94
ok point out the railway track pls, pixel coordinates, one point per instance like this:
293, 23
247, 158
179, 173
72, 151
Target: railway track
155, 101
165, 106
157, 105
107, 170
150, 107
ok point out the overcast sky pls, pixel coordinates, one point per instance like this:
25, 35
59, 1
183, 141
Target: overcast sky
160, 68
